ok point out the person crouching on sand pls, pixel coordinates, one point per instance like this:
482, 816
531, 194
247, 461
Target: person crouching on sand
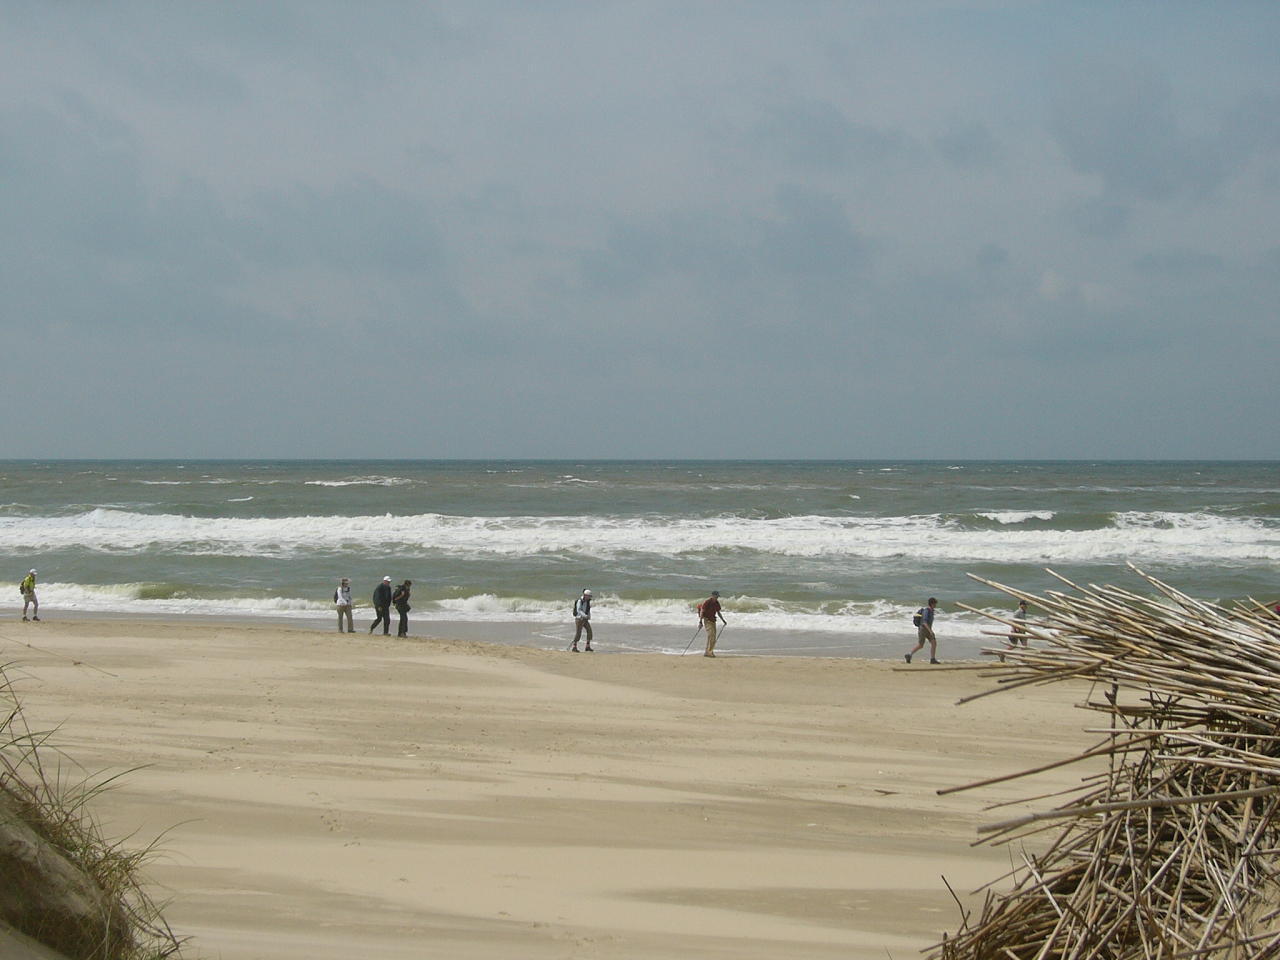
582, 620
924, 631
708, 610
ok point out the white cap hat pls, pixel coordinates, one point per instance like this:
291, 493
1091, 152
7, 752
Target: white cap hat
30, 571
386, 579
586, 593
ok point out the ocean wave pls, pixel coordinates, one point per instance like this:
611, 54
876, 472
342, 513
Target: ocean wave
1017, 516
1151, 536
362, 482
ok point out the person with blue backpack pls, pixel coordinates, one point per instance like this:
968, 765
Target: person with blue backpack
924, 631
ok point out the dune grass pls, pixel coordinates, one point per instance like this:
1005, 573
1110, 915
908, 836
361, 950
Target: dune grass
37, 791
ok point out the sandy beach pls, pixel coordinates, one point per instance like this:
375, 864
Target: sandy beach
321, 795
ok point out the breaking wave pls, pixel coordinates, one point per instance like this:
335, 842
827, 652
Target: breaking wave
1140, 536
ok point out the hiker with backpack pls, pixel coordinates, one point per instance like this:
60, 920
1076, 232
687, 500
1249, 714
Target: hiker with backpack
924, 631
342, 600
582, 620
28, 590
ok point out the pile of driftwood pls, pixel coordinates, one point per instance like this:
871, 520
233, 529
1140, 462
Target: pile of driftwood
1173, 848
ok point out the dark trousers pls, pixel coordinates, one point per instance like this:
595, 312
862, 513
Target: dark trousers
402, 630
384, 618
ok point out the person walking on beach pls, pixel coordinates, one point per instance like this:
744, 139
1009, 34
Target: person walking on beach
708, 610
401, 601
28, 590
924, 631
582, 620
1018, 636
342, 599
382, 606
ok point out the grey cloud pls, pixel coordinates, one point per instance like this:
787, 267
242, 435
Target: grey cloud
1118, 122
1252, 128
1178, 263
992, 255
813, 236
1098, 217
816, 133
968, 146
357, 224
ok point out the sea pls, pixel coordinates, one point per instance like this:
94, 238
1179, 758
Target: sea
812, 558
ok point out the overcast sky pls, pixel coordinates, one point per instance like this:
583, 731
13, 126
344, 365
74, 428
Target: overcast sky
640, 229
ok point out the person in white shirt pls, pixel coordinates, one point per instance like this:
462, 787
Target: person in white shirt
342, 598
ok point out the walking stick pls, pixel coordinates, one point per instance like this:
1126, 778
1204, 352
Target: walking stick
693, 638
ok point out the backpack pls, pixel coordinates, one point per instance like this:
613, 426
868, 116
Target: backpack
918, 618
335, 596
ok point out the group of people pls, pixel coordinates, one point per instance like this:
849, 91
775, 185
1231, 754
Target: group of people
384, 598
710, 615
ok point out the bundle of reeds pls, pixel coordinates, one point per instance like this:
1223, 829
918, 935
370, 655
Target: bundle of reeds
1171, 848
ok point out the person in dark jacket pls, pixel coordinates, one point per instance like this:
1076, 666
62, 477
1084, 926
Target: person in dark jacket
400, 599
382, 606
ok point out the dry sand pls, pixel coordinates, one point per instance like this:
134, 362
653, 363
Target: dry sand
339, 796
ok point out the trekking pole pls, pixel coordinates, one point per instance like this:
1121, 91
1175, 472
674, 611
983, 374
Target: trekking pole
693, 638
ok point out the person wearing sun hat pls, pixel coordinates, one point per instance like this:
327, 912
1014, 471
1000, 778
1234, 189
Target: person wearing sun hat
28, 590
382, 606
582, 621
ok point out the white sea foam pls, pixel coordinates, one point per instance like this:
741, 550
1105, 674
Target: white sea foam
1152, 536
131, 598
362, 482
